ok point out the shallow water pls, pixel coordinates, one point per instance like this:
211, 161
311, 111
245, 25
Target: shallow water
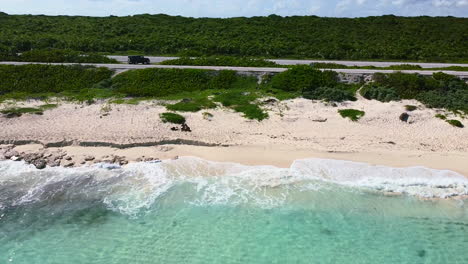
195, 211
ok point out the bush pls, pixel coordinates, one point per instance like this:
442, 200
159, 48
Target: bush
167, 82
303, 78
352, 114
329, 94
440, 116
440, 90
455, 123
379, 93
35, 79
172, 118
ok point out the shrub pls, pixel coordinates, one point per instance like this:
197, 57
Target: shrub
455, 123
410, 108
439, 90
172, 118
35, 79
167, 82
352, 114
379, 93
330, 94
440, 116
302, 78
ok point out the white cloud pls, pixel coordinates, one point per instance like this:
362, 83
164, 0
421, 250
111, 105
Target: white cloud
229, 8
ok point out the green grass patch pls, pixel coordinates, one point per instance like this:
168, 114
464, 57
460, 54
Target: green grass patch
455, 123
410, 108
440, 116
352, 114
17, 112
172, 118
243, 102
192, 105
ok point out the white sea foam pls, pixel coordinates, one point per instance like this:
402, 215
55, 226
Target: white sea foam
137, 186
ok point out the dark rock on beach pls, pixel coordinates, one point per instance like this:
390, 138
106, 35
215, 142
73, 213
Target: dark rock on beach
186, 128
404, 117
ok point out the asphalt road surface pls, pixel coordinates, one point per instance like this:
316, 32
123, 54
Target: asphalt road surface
123, 67
299, 62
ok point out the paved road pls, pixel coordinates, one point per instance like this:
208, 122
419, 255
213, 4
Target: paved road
298, 62
123, 67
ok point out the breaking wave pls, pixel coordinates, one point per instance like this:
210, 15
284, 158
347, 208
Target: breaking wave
138, 186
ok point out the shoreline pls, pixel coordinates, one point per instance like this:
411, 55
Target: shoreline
281, 156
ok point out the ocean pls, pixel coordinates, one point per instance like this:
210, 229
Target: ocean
196, 211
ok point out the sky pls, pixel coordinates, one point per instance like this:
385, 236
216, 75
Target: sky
235, 8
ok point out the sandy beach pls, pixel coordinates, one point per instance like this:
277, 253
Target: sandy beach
296, 129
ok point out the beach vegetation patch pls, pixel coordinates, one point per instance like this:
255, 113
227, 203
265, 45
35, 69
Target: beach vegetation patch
17, 112
330, 94
375, 92
172, 118
441, 116
352, 114
455, 123
192, 105
410, 108
437, 91
242, 101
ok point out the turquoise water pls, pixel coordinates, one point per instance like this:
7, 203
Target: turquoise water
195, 211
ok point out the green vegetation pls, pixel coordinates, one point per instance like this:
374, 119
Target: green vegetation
372, 38
352, 114
56, 56
41, 81
172, 118
243, 102
400, 67
195, 90
312, 84
455, 123
438, 91
410, 108
19, 111
192, 105
440, 116
221, 61
169, 82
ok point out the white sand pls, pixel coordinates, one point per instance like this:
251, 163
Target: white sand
290, 133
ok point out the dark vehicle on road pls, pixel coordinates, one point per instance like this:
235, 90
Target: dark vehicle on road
138, 59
